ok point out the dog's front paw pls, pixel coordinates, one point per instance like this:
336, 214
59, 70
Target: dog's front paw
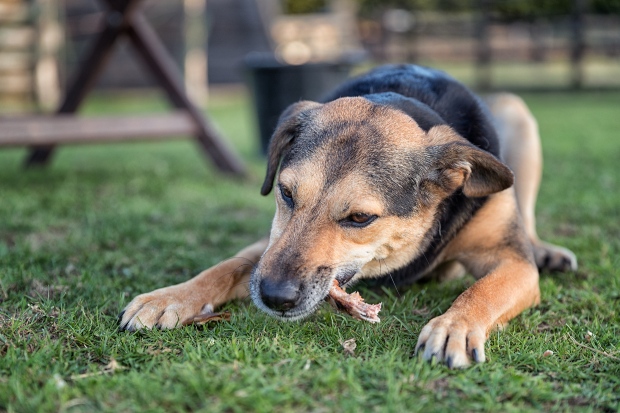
452, 339
164, 308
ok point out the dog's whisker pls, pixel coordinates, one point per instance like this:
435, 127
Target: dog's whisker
242, 258
249, 263
235, 285
228, 274
389, 273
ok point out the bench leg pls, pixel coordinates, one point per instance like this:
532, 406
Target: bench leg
115, 23
165, 70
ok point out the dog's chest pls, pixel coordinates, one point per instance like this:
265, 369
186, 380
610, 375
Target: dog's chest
453, 214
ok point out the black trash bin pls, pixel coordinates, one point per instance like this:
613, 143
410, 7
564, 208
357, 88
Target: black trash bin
276, 85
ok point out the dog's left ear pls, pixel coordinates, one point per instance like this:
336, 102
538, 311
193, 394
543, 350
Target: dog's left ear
462, 164
282, 139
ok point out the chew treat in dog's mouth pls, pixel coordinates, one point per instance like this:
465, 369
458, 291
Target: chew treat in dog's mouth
353, 304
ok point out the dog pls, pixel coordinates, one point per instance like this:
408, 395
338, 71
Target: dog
399, 174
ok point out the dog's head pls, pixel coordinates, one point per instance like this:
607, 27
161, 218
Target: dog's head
359, 185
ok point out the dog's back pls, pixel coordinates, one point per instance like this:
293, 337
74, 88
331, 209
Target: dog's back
455, 105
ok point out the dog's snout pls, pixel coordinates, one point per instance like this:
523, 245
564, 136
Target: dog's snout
280, 295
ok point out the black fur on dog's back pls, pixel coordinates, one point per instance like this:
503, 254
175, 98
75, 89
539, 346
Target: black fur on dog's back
431, 98
449, 101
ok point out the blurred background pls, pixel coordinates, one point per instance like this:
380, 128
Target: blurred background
278, 51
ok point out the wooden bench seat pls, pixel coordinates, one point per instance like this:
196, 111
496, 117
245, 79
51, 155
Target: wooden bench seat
62, 129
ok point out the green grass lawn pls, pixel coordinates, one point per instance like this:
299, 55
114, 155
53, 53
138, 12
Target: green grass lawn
81, 238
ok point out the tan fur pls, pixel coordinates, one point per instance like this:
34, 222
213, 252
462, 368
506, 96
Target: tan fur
521, 150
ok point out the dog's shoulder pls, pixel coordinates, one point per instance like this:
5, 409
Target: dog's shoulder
430, 97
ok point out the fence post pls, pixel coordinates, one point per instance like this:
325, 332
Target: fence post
483, 46
577, 43
195, 66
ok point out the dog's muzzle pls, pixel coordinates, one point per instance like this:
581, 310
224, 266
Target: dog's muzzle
295, 298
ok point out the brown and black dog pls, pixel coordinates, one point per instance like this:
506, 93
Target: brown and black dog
401, 173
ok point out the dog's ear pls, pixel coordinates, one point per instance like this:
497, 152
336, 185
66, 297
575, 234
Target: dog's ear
462, 164
282, 139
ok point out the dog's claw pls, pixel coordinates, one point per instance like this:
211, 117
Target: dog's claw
119, 318
567, 265
477, 354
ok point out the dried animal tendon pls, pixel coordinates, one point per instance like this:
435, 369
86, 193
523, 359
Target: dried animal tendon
353, 304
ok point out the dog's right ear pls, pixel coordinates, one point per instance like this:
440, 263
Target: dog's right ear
461, 164
282, 139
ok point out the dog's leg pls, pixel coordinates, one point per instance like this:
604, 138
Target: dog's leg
458, 336
521, 150
168, 307
493, 247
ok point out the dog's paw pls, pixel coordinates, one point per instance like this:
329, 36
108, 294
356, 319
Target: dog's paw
553, 258
164, 308
452, 339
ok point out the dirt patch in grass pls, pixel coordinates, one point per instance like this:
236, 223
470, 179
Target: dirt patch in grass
50, 292
47, 239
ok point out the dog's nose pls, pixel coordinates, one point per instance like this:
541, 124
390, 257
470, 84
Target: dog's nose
279, 295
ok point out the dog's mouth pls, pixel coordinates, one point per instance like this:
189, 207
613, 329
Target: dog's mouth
344, 278
313, 298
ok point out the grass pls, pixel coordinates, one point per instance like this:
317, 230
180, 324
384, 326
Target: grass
79, 239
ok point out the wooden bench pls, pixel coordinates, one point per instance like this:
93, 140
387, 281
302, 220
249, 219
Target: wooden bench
123, 18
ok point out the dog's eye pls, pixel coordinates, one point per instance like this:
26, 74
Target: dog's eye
359, 220
287, 196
